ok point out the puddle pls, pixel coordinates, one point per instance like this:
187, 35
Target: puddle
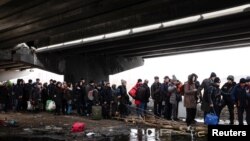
18, 138
136, 134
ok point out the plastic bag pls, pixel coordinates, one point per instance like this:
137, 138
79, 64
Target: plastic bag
29, 105
50, 105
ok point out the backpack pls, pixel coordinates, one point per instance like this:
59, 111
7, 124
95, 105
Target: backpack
140, 94
182, 90
133, 92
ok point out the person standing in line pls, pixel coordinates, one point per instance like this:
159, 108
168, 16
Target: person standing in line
142, 96
156, 96
114, 102
123, 99
58, 96
248, 100
206, 83
190, 101
213, 98
227, 98
239, 96
147, 95
166, 96
172, 90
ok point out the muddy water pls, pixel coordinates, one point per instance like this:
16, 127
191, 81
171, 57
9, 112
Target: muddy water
16, 138
149, 134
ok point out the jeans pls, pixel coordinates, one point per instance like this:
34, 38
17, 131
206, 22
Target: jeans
140, 109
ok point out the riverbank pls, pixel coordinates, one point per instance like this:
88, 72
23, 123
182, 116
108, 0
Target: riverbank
58, 128
47, 124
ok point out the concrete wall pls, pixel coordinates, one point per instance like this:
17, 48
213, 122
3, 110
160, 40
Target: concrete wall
97, 67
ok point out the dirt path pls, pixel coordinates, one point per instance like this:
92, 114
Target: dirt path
30, 120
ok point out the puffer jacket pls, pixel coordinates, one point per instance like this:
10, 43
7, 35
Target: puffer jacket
173, 93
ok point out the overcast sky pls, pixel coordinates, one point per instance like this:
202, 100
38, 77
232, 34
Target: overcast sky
222, 62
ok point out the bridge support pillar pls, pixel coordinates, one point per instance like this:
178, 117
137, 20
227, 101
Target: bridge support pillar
89, 67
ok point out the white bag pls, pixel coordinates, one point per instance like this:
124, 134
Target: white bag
29, 106
52, 106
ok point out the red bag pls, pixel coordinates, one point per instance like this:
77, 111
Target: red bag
78, 127
137, 102
132, 92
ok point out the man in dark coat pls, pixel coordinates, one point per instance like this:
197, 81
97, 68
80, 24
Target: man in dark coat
240, 99
4, 96
51, 89
248, 100
89, 97
114, 102
123, 99
28, 90
213, 98
80, 98
142, 95
147, 95
18, 92
227, 98
58, 96
206, 83
156, 96
166, 97
106, 99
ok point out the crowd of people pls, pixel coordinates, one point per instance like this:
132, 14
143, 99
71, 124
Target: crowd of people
115, 101
80, 96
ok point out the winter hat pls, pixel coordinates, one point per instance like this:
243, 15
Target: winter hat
242, 80
230, 77
217, 80
174, 78
213, 75
123, 81
166, 77
139, 80
156, 77
248, 79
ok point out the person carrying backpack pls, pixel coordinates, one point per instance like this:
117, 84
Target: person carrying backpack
142, 95
133, 91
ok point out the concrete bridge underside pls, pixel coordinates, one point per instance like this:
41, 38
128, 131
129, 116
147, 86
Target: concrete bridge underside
28, 22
